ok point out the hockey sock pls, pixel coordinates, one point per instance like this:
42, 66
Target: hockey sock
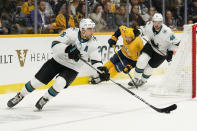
138, 72
50, 93
145, 77
109, 64
58, 85
30, 86
113, 72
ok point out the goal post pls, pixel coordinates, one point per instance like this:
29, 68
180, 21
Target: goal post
194, 60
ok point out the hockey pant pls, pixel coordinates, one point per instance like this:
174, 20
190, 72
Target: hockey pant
64, 77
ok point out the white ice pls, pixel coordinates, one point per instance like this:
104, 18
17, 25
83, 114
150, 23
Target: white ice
103, 107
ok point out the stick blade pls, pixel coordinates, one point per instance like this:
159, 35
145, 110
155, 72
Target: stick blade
168, 109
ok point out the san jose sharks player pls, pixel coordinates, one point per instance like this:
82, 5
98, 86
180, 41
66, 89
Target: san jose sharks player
161, 42
65, 64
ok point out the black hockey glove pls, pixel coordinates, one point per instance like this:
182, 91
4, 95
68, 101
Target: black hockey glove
136, 32
111, 42
169, 56
73, 52
104, 76
127, 69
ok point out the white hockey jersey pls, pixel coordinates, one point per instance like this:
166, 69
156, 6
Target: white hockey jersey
160, 41
88, 49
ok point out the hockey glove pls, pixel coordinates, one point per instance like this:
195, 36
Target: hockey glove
73, 52
136, 32
169, 56
111, 42
127, 69
104, 76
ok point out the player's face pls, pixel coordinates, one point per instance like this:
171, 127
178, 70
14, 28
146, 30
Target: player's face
89, 32
128, 39
157, 25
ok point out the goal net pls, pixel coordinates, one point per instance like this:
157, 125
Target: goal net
180, 78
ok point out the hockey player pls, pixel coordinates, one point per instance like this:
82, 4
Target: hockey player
65, 63
161, 42
129, 53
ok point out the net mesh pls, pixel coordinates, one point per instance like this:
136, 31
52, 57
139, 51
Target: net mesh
177, 81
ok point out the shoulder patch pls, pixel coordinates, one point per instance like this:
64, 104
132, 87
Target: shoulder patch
172, 37
94, 38
63, 34
164, 31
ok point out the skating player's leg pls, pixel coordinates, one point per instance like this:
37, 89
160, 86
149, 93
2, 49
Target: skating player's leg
47, 72
146, 74
139, 69
58, 85
63, 80
112, 70
28, 88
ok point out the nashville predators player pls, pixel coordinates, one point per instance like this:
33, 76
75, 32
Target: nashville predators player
129, 52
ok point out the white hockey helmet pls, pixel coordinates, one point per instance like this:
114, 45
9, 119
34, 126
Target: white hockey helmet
86, 23
157, 17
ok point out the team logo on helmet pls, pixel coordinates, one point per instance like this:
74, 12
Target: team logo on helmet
157, 17
86, 23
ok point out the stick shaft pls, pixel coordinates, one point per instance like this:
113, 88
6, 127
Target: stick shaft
124, 66
153, 107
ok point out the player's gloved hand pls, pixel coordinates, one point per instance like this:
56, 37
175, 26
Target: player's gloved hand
136, 32
104, 76
111, 42
73, 52
169, 55
127, 69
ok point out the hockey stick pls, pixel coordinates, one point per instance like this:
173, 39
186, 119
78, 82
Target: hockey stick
124, 66
161, 110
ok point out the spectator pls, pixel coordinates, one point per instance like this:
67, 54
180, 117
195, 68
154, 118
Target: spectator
112, 7
148, 17
144, 6
157, 4
19, 22
170, 20
3, 29
60, 23
80, 14
97, 2
192, 11
109, 17
96, 16
49, 11
116, 2
74, 6
133, 2
27, 7
58, 5
5, 26
135, 18
121, 17
43, 26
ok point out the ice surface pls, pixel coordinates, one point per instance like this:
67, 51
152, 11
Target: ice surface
103, 107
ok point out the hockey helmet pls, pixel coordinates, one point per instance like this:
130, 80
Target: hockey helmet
129, 33
157, 17
86, 23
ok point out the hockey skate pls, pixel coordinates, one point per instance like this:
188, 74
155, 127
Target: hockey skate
12, 102
41, 102
95, 80
138, 83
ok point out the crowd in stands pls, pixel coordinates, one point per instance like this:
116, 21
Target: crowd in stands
53, 16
